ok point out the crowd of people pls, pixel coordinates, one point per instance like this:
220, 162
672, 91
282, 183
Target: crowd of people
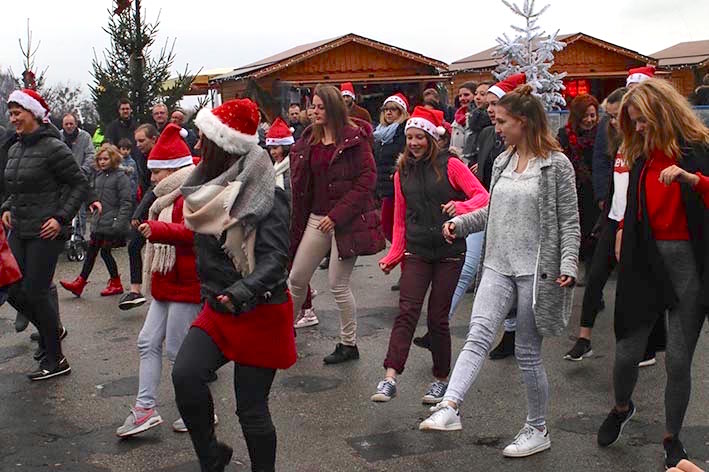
226, 226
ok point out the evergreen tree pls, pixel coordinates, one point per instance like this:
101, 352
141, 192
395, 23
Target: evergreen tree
532, 52
131, 69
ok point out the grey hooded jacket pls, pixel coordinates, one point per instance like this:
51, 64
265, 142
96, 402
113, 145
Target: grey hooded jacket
559, 235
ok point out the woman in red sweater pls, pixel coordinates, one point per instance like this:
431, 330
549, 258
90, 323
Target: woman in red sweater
430, 187
663, 251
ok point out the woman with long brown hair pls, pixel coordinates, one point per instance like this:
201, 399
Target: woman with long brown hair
533, 265
663, 251
430, 186
333, 176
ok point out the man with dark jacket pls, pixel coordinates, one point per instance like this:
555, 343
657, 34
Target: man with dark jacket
124, 126
294, 120
355, 111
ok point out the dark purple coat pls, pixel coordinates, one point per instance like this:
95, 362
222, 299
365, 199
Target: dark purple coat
352, 177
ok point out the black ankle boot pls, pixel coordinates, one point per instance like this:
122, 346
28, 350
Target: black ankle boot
506, 348
424, 342
262, 451
342, 354
219, 458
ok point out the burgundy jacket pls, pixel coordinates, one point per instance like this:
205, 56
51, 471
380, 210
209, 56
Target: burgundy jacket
352, 178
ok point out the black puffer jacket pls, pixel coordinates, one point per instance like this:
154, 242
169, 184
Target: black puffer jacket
113, 189
42, 181
490, 145
267, 284
386, 155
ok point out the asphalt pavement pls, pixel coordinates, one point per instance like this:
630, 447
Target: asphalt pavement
323, 414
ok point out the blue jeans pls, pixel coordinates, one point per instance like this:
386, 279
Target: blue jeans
474, 248
495, 297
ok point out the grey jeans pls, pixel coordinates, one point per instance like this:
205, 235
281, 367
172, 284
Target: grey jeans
684, 325
496, 296
168, 322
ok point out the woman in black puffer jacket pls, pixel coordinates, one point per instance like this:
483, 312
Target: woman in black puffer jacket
389, 142
44, 188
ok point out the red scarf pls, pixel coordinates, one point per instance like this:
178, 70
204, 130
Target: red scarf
578, 144
460, 115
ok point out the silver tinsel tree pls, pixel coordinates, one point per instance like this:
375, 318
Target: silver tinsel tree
532, 52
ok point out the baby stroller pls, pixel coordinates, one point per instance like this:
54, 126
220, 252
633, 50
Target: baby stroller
76, 245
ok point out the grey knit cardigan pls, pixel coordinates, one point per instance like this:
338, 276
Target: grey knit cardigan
559, 235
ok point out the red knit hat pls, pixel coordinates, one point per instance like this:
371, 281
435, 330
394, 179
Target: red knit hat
233, 125
504, 87
170, 150
279, 134
399, 99
430, 121
640, 74
347, 89
31, 101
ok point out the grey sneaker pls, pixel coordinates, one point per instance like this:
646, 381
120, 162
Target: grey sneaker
386, 390
139, 420
180, 427
435, 393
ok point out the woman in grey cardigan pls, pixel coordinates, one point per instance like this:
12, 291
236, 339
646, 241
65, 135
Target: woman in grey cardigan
533, 191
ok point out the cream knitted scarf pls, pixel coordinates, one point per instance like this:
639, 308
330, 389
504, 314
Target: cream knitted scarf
233, 202
161, 258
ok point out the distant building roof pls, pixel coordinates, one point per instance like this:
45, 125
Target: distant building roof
692, 53
300, 53
485, 60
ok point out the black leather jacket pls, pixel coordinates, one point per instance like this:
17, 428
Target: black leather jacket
42, 181
267, 284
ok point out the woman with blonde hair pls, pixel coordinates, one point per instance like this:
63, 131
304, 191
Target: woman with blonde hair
663, 249
533, 265
389, 142
333, 177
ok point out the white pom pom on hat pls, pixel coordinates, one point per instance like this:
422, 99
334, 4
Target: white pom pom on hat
184, 133
441, 130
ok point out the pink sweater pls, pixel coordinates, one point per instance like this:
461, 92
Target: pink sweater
461, 179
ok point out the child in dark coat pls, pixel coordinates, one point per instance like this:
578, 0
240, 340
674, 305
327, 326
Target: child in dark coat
111, 207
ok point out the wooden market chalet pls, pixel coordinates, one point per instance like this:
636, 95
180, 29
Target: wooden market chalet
376, 70
592, 65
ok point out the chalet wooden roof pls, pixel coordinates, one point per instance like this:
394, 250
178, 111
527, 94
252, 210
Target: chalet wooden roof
484, 60
300, 53
692, 53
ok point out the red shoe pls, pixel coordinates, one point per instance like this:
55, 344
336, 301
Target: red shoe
114, 287
76, 286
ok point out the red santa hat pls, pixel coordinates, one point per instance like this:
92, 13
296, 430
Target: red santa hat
170, 150
279, 134
31, 101
399, 99
640, 74
504, 87
347, 90
430, 121
449, 129
233, 125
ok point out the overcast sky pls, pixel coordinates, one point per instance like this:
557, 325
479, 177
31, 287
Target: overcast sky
213, 33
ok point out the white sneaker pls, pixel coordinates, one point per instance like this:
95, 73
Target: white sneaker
528, 441
306, 319
180, 427
444, 418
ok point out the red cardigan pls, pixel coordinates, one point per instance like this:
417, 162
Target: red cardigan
181, 284
461, 179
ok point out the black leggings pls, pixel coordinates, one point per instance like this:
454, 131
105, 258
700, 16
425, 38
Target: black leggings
602, 265
135, 258
37, 259
198, 358
90, 260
